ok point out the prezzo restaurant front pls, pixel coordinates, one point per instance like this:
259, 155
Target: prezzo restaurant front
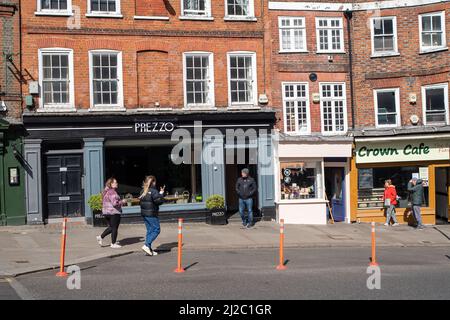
401, 158
71, 155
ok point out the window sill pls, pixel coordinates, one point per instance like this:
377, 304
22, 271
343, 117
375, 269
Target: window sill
55, 109
153, 109
387, 126
54, 13
240, 19
385, 55
331, 52
295, 51
434, 50
297, 134
199, 108
104, 15
151, 18
108, 109
200, 18
244, 107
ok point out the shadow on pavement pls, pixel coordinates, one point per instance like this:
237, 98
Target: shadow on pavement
130, 241
190, 266
166, 247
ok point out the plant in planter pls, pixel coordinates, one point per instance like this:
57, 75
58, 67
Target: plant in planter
217, 213
95, 202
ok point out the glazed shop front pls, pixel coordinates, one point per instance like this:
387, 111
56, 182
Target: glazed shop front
401, 158
72, 155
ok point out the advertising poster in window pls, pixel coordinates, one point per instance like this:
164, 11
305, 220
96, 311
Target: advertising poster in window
365, 178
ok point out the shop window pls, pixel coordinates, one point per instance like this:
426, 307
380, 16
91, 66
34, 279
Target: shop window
292, 34
432, 31
371, 185
330, 35
296, 108
435, 104
130, 165
334, 108
386, 107
199, 80
242, 78
300, 180
384, 35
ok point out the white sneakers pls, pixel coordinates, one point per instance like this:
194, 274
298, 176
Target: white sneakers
99, 240
386, 224
116, 246
395, 224
149, 251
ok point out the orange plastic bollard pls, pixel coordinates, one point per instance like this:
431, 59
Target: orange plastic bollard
281, 266
373, 259
179, 268
61, 272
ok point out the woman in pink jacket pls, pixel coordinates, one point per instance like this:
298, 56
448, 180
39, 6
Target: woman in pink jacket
112, 208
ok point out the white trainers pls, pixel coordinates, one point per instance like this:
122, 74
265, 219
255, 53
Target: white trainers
386, 224
100, 241
154, 253
147, 250
116, 246
395, 224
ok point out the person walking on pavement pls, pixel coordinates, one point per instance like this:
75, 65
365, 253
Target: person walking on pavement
415, 187
151, 199
111, 210
390, 201
246, 189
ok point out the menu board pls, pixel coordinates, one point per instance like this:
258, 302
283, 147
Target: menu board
365, 178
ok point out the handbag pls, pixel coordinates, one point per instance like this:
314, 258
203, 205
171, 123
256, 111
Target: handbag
387, 202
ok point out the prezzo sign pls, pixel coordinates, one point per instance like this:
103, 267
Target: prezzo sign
400, 151
154, 127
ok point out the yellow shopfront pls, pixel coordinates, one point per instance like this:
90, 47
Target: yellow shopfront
400, 159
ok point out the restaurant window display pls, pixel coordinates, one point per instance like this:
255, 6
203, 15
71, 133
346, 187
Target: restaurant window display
130, 165
300, 180
371, 185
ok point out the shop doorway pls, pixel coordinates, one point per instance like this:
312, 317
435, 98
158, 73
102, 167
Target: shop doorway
335, 191
442, 195
232, 173
64, 196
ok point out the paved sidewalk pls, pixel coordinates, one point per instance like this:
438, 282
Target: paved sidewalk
31, 248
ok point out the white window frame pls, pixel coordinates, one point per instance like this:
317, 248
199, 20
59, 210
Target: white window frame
444, 36
424, 101
116, 14
397, 107
372, 37
280, 37
342, 50
56, 107
41, 11
206, 16
251, 11
334, 132
308, 109
254, 103
211, 97
106, 107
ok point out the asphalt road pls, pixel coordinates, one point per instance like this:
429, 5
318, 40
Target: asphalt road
322, 273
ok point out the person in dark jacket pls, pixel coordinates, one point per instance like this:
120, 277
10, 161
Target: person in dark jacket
151, 199
415, 187
246, 189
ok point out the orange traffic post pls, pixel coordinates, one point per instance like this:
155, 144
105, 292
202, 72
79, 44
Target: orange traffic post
179, 268
373, 259
61, 272
281, 266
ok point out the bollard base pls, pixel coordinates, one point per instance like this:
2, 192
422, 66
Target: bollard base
281, 267
62, 274
179, 270
373, 264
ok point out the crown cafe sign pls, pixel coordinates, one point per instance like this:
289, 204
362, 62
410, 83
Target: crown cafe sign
413, 149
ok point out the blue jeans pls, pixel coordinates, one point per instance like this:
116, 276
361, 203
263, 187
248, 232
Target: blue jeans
153, 230
249, 204
390, 213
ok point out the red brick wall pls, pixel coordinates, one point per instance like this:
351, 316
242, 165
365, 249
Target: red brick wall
153, 78
409, 71
132, 36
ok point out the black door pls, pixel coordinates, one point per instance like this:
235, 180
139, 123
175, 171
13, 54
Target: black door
64, 191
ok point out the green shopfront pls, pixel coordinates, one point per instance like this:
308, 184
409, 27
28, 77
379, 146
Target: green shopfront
401, 158
12, 182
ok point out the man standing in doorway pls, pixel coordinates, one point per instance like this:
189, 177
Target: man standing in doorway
415, 188
246, 189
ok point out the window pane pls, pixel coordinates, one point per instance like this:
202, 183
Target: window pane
299, 180
435, 105
386, 102
426, 23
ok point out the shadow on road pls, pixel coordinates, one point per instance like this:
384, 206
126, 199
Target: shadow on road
190, 266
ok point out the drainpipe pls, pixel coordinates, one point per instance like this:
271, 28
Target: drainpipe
348, 15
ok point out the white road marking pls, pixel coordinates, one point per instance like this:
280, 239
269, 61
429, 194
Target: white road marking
21, 291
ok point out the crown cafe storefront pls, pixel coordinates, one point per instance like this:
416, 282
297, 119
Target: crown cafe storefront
69, 157
401, 158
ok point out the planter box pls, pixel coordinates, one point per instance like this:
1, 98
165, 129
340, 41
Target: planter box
98, 220
217, 217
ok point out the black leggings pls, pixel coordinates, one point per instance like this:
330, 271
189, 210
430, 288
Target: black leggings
113, 226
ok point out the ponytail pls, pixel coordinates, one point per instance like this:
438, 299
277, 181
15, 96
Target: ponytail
146, 185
